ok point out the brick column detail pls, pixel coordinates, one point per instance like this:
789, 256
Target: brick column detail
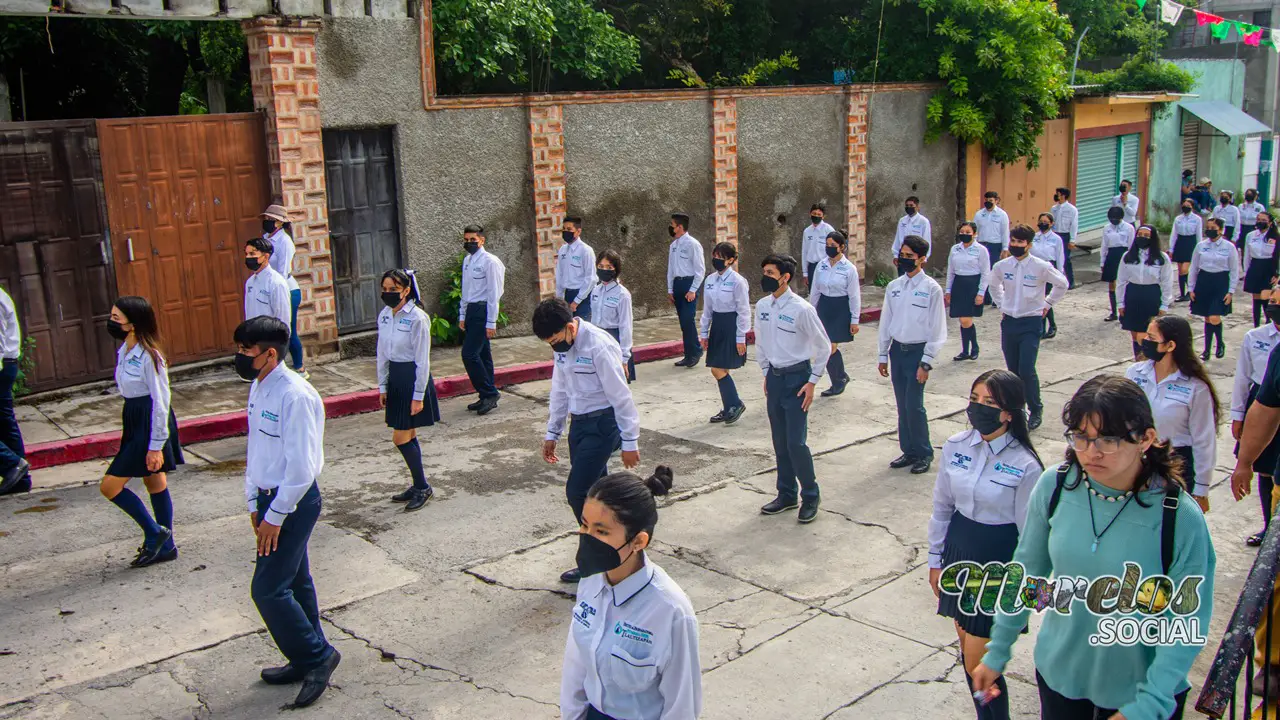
286, 90
546, 142
724, 138
857, 123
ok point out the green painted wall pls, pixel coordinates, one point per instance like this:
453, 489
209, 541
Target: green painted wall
1216, 80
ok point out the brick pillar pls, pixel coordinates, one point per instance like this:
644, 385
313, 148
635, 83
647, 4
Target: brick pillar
286, 90
546, 142
857, 123
724, 138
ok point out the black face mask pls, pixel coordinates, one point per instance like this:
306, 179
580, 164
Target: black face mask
253, 264
1250, 197
1044, 227
606, 276
1150, 350
1273, 313
566, 235
562, 347
245, 368
1224, 201
596, 556
770, 284
719, 264
984, 418
907, 264
1142, 242
1262, 227
832, 251
965, 239
1186, 209
269, 227
910, 210
815, 219
1116, 221
988, 204
116, 330
1123, 190
1211, 233
391, 299
1017, 250
471, 246
671, 231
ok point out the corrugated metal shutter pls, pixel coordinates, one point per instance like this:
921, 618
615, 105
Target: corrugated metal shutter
1191, 146
1129, 161
1096, 181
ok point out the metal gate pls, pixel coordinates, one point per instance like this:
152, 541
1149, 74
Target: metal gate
53, 252
183, 194
364, 221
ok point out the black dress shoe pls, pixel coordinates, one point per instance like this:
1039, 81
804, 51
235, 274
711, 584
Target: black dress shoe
15, 476
418, 498
1111, 318
476, 405
1222, 351
718, 417
734, 413
404, 497
683, 362
150, 554
808, 512
1204, 355
316, 681
974, 355
283, 675
835, 389
961, 356
921, 467
1052, 333
488, 405
1034, 422
778, 505
570, 576
24, 485
902, 461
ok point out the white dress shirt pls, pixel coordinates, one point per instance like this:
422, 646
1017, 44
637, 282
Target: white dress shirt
913, 312
137, 376
1215, 256
286, 441
839, 280
1017, 286
1115, 236
726, 292
1048, 247
1183, 410
405, 336
913, 225
1229, 214
1140, 273
588, 378
685, 260
267, 293
788, 332
1251, 366
1066, 218
1257, 246
611, 308
1249, 213
1130, 206
1188, 224
575, 269
813, 245
993, 226
10, 331
987, 482
971, 259
282, 257
632, 650
484, 280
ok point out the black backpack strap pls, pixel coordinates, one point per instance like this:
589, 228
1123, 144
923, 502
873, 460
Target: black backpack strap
1063, 469
1168, 524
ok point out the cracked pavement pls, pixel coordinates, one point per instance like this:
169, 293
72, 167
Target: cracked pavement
456, 611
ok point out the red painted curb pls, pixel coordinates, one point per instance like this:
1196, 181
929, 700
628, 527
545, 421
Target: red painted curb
232, 424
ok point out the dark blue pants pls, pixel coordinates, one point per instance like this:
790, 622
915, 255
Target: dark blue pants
790, 428
476, 356
584, 307
1066, 255
908, 392
11, 447
812, 268
594, 714
295, 343
685, 311
1020, 342
282, 587
1056, 706
592, 440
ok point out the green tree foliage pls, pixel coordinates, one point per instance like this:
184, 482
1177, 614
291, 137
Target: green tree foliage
1117, 28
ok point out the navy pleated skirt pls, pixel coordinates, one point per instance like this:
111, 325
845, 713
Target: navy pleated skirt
135, 438
722, 342
1141, 303
399, 411
994, 251
1211, 288
1266, 462
1261, 270
964, 290
631, 362
836, 317
1184, 246
1111, 266
971, 541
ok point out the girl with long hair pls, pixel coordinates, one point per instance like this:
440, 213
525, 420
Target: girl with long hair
1144, 285
1260, 263
980, 503
149, 446
968, 272
1215, 272
611, 303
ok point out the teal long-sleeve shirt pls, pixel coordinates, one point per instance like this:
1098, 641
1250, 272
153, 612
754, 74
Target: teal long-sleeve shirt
1141, 681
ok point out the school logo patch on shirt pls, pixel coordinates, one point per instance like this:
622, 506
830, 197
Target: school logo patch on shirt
786, 318
583, 614
1009, 470
1262, 345
1179, 393
584, 360
627, 631
1008, 276
270, 416
764, 317
405, 323
135, 361
895, 293
961, 461
611, 301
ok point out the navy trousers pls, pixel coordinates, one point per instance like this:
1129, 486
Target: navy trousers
11, 447
685, 311
908, 392
1056, 706
1066, 256
789, 426
584, 307
476, 355
1020, 342
295, 343
813, 269
593, 438
282, 587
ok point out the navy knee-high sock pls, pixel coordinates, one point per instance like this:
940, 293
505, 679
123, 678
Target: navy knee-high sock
1182, 284
412, 453
1111, 295
133, 507
973, 338
964, 340
1217, 332
162, 506
1053, 324
835, 368
1208, 336
728, 392
1264, 494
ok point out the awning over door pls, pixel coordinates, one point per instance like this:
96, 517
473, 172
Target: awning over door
1225, 117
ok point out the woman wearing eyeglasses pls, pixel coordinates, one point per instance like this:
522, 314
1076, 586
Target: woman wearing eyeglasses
1109, 505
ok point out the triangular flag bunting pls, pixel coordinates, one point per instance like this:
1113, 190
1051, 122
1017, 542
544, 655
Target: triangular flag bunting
1273, 39
1170, 11
1221, 30
1253, 38
1204, 18
1142, 4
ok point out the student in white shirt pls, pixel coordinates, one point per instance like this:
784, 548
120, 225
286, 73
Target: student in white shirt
1183, 400
980, 504
913, 327
149, 447
575, 268
1250, 208
968, 273
685, 271
1066, 220
726, 320
792, 350
1048, 246
1188, 231
265, 292
1260, 262
283, 461
587, 383
1144, 285
1128, 202
836, 294
1230, 216
813, 240
612, 303
15, 471
279, 231
913, 223
484, 279
632, 650
1117, 236
993, 229
405, 386
1250, 368
1214, 275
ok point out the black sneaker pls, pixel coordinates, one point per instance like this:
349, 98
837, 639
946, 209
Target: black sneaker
808, 512
718, 417
902, 461
403, 497
734, 413
921, 467
778, 505
418, 498
476, 405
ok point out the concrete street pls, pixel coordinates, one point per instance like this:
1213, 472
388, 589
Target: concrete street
456, 612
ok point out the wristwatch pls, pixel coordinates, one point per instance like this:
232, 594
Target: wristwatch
926, 367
